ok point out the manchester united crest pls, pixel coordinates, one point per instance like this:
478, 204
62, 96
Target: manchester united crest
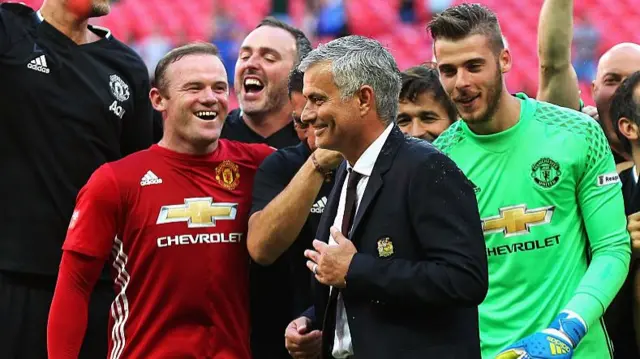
227, 175
385, 247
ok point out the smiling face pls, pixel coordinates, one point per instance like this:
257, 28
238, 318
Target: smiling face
194, 102
424, 118
471, 74
334, 122
266, 57
614, 66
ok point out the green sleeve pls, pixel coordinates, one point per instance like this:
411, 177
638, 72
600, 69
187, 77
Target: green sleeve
602, 207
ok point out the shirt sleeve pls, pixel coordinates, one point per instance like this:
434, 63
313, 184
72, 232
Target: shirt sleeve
69, 309
269, 181
94, 223
138, 127
602, 207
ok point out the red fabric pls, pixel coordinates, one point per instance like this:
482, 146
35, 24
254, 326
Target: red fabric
68, 315
181, 279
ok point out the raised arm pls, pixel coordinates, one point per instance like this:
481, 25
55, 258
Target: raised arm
558, 79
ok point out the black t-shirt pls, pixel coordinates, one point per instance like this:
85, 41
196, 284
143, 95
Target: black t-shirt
65, 110
237, 130
619, 315
282, 291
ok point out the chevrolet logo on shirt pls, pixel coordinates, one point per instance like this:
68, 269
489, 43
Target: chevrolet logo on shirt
517, 220
198, 212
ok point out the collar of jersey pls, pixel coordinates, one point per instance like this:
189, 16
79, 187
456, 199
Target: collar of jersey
505, 140
107, 32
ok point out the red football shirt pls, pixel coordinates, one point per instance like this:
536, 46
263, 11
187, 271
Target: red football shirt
173, 227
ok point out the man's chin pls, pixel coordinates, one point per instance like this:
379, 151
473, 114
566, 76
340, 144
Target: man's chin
100, 10
252, 107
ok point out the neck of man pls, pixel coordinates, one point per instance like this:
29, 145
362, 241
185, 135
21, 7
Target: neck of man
616, 146
66, 22
359, 143
269, 123
178, 144
506, 116
635, 153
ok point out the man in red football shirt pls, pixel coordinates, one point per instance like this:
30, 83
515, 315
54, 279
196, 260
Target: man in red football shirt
172, 221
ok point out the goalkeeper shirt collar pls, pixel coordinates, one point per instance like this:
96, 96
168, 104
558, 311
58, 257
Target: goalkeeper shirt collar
503, 141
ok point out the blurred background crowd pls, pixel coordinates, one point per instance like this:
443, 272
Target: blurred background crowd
153, 30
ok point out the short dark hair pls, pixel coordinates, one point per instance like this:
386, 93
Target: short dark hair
623, 104
296, 81
421, 79
460, 21
195, 48
303, 45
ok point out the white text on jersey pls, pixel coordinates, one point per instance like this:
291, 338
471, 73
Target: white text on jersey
210, 238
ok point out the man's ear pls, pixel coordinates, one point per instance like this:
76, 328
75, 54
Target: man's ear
628, 128
505, 60
365, 99
158, 101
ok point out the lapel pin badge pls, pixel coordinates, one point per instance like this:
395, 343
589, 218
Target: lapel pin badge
385, 247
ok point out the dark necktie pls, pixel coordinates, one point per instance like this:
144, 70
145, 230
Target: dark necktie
350, 203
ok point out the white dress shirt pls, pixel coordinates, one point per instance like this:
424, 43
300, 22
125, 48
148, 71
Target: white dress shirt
342, 347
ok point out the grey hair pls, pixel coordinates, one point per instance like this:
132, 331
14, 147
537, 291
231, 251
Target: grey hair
357, 61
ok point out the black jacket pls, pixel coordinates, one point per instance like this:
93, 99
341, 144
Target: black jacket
414, 287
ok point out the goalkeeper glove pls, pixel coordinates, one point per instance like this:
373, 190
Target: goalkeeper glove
556, 342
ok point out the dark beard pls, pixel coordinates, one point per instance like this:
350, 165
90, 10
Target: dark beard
493, 98
99, 10
493, 94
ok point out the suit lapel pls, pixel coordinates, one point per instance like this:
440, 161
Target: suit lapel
383, 163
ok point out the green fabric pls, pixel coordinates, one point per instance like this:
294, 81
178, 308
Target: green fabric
554, 222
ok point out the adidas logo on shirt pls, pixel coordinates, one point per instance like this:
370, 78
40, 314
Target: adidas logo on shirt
150, 178
318, 207
39, 64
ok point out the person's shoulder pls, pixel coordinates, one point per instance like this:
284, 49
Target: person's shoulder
566, 125
233, 118
417, 152
245, 153
17, 10
287, 157
131, 166
233, 145
566, 120
450, 138
17, 16
121, 51
421, 159
294, 153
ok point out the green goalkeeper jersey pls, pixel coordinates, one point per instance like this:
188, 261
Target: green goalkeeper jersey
554, 224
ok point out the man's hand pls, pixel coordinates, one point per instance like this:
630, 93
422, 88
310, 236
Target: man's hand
328, 159
300, 343
330, 263
591, 111
633, 226
555, 342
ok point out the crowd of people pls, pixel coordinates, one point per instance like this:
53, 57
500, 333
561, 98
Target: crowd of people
346, 209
